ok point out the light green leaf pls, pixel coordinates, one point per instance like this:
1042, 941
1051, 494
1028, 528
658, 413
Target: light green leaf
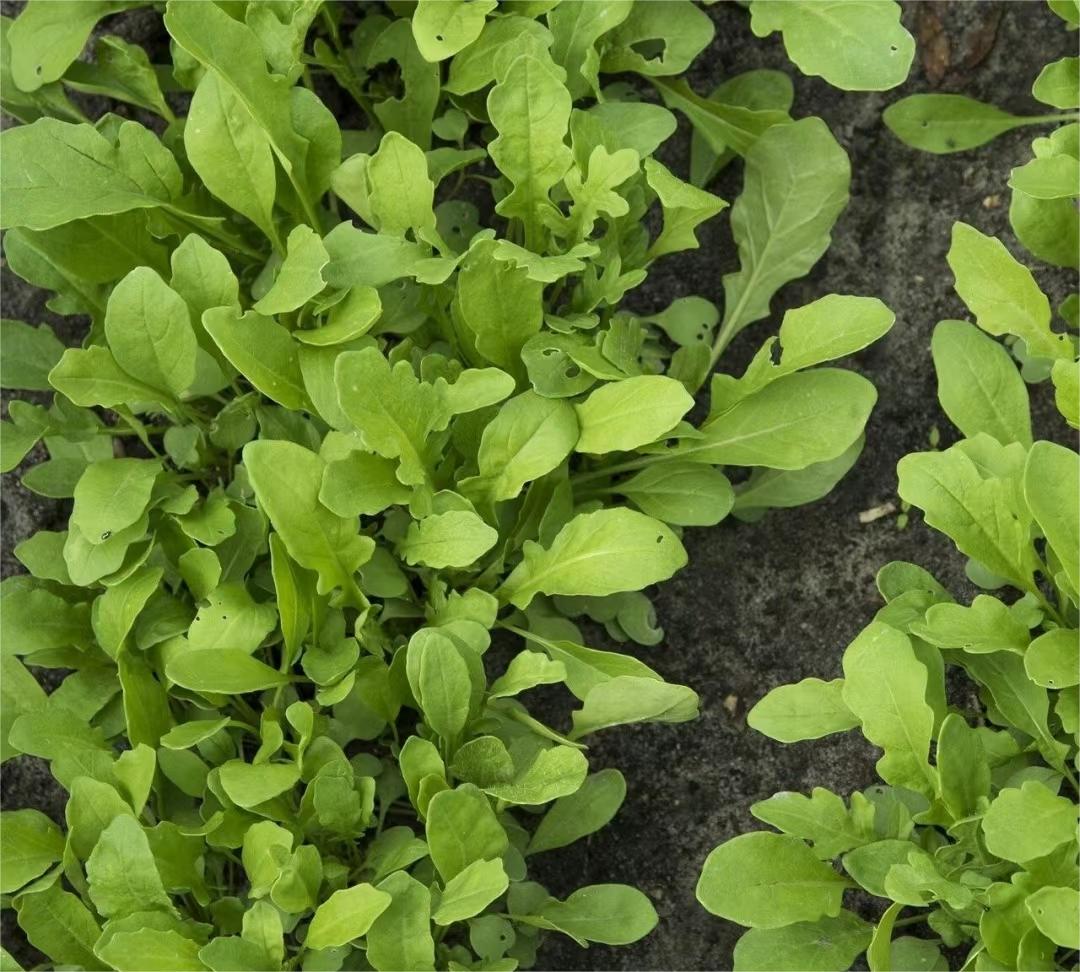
821, 818
299, 278
808, 709
1051, 488
30, 353
943, 123
1058, 82
262, 351
656, 40
233, 673
1024, 823
1051, 659
683, 493
857, 46
1053, 177
1055, 912
91, 376
121, 872
57, 921
345, 916
287, 478
767, 880
795, 186
249, 784
611, 914
885, 688
470, 891
526, 670
231, 153
231, 620
555, 772
621, 415
456, 538
1002, 293
55, 172
441, 28
439, 677
597, 553
530, 109
576, 26
580, 813
151, 950
626, 699
32, 843
528, 438
462, 829
979, 386
112, 495
825, 945
400, 938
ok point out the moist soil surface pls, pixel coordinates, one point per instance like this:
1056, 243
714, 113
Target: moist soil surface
772, 602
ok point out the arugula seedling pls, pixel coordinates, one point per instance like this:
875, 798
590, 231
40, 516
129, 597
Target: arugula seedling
972, 829
375, 397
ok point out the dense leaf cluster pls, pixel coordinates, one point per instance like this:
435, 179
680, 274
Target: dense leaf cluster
354, 400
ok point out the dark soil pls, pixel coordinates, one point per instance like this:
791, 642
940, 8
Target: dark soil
776, 601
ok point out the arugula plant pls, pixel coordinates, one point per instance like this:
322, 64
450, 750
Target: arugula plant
971, 834
352, 403
1043, 209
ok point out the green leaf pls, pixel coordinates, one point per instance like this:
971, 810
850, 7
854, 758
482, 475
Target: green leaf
287, 478
792, 422
526, 670
1002, 293
1024, 823
231, 620
684, 207
115, 611
821, 818
1057, 83
963, 767
658, 40
441, 28
497, 307
149, 332
400, 938
808, 709
91, 376
943, 123
152, 950
32, 843
462, 829
299, 278
1054, 177
986, 626
825, 945
625, 699
528, 438
1051, 486
580, 813
530, 109
682, 493
860, 46
439, 677
767, 880
249, 784
783, 219
361, 485
232, 673
346, 915
57, 921
979, 386
456, 538
262, 351
231, 153
30, 353
554, 773
1051, 659
611, 914
885, 688
1054, 911
121, 872
576, 26
112, 495
401, 194
470, 891
622, 415
55, 172
979, 514
596, 554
